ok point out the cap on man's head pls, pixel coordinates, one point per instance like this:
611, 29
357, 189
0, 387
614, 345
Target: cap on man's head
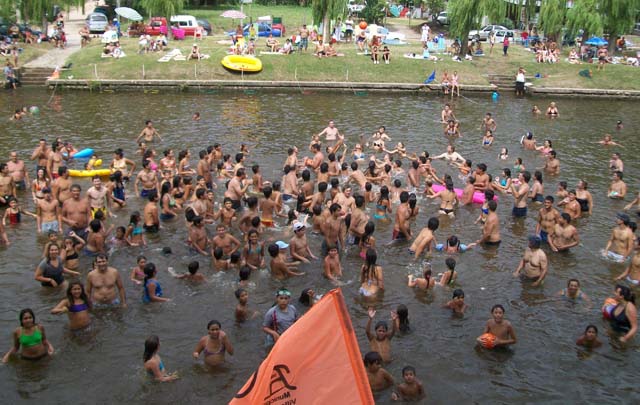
298, 226
282, 245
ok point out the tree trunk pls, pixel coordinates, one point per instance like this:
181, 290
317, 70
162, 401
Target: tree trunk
325, 29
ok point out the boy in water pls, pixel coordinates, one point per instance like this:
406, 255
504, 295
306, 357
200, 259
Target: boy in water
457, 304
501, 328
193, 274
379, 378
242, 309
380, 342
410, 389
332, 267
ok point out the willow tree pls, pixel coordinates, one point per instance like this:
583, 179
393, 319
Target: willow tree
164, 8
619, 17
466, 14
324, 11
552, 17
585, 15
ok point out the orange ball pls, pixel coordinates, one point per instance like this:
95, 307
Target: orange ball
608, 307
487, 340
362, 25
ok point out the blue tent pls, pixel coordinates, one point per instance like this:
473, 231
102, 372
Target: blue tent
596, 41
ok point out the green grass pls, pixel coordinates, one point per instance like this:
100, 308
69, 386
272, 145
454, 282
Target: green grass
32, 52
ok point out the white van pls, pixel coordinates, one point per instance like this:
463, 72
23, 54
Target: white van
188, 23
97, 22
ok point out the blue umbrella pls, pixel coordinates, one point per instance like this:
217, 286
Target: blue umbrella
596, 41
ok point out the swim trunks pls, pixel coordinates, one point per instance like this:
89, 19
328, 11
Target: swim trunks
398, 235
519, 212
50, 226
632, 281
144, 193
106, 305
544, 236
151, 228
94, 210
615, 256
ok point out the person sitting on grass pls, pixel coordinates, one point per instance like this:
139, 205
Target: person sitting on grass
375, 54
287, 49
272, 43
330, 50
386, 55
361, 41
251, 47
320, 50
195, 53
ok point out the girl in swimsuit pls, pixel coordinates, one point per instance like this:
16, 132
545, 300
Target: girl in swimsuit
383, 205
552, 110
116, 188
14, 213
50, 271
504, 184
137, 273
152, 290
178, 191
76, 305
153, 363
167, 203
368, 241
448, 199
455, 87
184, 168
253, 252
504, 154
40, 182
371, 278
589, 338
546, 148
487, 139
134, 234
213, 345
422, 283
29, 337
537, 189
73, 245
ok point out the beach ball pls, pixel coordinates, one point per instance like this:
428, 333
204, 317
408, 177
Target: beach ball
362, 25
487, 340
608, 307
495, 95
34, 109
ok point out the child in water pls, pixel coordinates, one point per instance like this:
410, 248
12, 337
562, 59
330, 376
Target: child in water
500, 327
379, 378
457, 304
410, 390
193, 274
14, 213
242, 309
589, 338
380, 342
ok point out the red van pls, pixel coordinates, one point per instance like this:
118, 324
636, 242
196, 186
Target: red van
157, 26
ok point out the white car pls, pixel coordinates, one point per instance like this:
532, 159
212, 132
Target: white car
355, 8
483, 33
501, 34
443, 18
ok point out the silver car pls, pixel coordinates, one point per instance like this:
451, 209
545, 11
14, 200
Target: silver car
483, 33
97, 22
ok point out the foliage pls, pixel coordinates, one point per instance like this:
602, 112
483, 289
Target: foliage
619, 16
325, 11
466, 14
585, 15
165, 8
373, 13
435, 6
552, 16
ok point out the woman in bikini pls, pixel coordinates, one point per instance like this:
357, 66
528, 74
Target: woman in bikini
76, 305
213, 345
448, 199
383, 205
371, 277
29, 337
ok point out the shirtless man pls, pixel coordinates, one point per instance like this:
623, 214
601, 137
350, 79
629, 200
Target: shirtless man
331, 133
332, 269
450, 155
488, 123
401, 225
198, 236
40, 155
564, 235
151, 213
148, 132
447, 114
345, 200
616, 163
98, 197
7, 186
102, 282
236, 189
620, 244
315, 162
617, 189
244, 223
426, 239
147, 178
267, 207
308, 186
76, 212
290, 182
61, 187
357, 176
483, 181
319, 197
224, 240
520, 195
298, 246
48, 213
491, 227
528, 142
632, 273
358, 221
54, 160
571, 205
332, 230
547, 219
279, 266
552, 165
168, 162
18, 171
534, 263
467, 192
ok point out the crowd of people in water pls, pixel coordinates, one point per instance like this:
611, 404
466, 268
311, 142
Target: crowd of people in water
336, 194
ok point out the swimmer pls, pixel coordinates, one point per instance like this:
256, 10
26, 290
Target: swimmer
552, 110
195, 116
379, 378
29, 340
332, 269
620, 244
589, 338
152, 291
491, 228
573, 292
214, 345
153, 363
616, 163
534, 263
411, 389
192, 274
457, 304
500, 328
242, 312
50, 272
564, 235
148, 132
449, 277
608, 141
381, 341
76, 305
535, 110
425, 239
453, 245
371, 276
280, 267
632, 272
548, 217
504, 154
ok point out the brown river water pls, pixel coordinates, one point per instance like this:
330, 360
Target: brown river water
545, 366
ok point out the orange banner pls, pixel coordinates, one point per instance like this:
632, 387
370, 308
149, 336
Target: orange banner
316, 361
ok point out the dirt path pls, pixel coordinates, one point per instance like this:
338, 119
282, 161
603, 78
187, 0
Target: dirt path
56, 56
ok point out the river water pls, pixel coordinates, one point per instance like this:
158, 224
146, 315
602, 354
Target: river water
544, 367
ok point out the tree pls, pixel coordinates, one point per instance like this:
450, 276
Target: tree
374, 12
552, 16
165, 8
325, 11
619, 18
435, 6
584, 15
466, 14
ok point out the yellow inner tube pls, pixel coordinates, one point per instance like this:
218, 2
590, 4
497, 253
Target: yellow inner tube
89, 173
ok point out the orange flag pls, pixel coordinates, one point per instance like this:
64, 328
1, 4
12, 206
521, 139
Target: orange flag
316, 361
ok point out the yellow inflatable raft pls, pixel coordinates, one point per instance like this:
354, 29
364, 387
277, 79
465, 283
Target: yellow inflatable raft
89, 173
241, 63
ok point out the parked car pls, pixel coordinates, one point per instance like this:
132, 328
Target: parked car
443, 18
636, 29
188, 23
206, 25
156, 26
106, 10
97, 22
264, 29
355, 8
483, 33
501, 34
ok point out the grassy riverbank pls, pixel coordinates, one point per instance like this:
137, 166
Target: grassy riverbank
31, 52
88, 65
